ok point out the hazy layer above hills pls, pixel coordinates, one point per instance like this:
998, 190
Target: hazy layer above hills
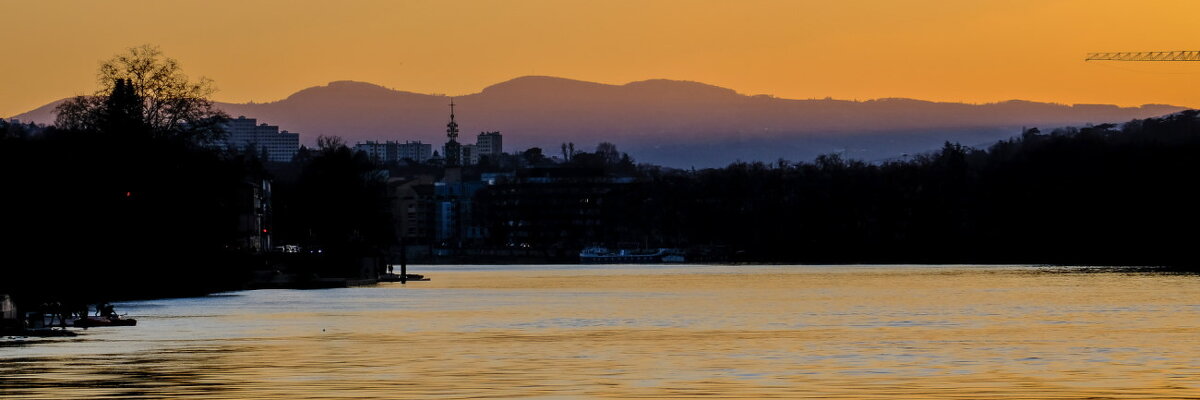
673, 123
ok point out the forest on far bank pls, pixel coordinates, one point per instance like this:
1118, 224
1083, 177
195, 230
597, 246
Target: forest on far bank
1106, 195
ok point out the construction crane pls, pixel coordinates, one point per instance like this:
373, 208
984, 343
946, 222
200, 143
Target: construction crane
1145, 56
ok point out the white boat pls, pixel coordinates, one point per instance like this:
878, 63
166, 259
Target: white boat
601, 255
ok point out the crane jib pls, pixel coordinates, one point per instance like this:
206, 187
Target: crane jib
1145, 56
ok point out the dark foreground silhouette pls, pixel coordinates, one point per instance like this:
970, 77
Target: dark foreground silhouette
119, 212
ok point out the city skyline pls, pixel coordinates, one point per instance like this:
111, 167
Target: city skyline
976, 52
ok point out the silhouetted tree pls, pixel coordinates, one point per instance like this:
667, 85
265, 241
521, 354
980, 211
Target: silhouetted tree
10, 131
149, 207
587, 160
171, 105
330, 143
122, 111
608, 152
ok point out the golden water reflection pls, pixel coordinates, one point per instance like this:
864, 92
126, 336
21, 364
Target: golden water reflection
625, 332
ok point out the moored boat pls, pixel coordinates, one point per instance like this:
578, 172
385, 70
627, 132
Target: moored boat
601, 255
391, 277
95, 321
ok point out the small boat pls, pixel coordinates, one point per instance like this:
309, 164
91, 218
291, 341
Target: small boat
390, 277
601, 255
95, 321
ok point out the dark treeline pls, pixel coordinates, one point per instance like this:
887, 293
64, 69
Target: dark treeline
118, 211
123, 197
122, 211
1103, 195
130, 195
332, 200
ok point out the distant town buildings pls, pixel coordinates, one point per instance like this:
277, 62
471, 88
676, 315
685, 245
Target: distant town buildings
413, 208
470, 154
375, 151
254, 220
455, 221
9, 317
482, 202
416, 151
245, 133
490, 144
487, 144
390, 152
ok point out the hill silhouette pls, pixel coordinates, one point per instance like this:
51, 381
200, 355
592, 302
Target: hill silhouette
675, 123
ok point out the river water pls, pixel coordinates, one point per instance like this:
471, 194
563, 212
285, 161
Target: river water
956, 332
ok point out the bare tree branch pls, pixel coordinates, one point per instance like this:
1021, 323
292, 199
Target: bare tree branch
173, 105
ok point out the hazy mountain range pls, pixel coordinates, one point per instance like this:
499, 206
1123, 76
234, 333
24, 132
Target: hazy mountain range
675, 123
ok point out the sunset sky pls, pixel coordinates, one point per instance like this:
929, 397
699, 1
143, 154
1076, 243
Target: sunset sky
972, 51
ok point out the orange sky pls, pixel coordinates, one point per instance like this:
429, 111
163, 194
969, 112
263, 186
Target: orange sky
951, 50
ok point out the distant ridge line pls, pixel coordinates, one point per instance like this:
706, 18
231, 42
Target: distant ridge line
663, 121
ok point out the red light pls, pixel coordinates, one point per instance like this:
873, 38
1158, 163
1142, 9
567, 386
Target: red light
264, 230
128, 194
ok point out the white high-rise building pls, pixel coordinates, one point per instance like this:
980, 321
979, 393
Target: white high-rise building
490, 144
377, 152
416, 151
470, 154
392, 152
246, 132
